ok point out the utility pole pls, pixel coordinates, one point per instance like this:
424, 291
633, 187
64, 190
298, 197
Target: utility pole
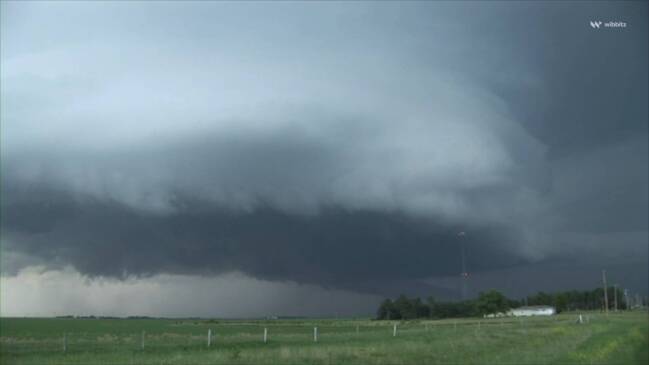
615, 296
605, 291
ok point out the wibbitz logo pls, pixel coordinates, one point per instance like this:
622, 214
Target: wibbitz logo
596, 24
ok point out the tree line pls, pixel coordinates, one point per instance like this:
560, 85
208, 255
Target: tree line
495, 302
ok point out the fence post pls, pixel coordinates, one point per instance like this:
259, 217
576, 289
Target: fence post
209, 337
265, 334
394, 330
315, 334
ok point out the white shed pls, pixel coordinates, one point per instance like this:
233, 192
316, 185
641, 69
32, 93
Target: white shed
533, 310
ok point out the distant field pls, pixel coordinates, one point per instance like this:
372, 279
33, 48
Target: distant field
621, 339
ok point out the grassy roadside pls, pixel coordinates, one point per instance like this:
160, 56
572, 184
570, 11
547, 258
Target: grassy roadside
620, 339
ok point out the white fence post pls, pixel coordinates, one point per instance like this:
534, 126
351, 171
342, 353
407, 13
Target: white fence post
209, 337
394, 330
315, 334
265, 334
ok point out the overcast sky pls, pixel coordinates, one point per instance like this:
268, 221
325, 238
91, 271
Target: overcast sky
306, 158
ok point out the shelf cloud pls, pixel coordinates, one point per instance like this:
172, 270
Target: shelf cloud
336, 145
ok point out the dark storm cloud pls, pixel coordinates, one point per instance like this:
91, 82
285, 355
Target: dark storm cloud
269, 206
337, 248
347, 154
594, 87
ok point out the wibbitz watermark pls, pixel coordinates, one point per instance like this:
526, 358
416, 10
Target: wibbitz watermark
597, 24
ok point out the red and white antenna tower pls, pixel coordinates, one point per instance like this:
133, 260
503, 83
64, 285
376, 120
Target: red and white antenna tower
464, 274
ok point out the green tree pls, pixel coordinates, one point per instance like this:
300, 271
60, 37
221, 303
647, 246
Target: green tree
421, 309
492, 302
561, 301
431, 307
384, 309
405, 307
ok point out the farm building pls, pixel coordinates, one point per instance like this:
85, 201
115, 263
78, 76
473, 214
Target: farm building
534, 310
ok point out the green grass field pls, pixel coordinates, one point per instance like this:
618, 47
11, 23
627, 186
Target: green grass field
620, 339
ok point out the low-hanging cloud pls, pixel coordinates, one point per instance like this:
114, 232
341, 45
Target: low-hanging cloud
280, 206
